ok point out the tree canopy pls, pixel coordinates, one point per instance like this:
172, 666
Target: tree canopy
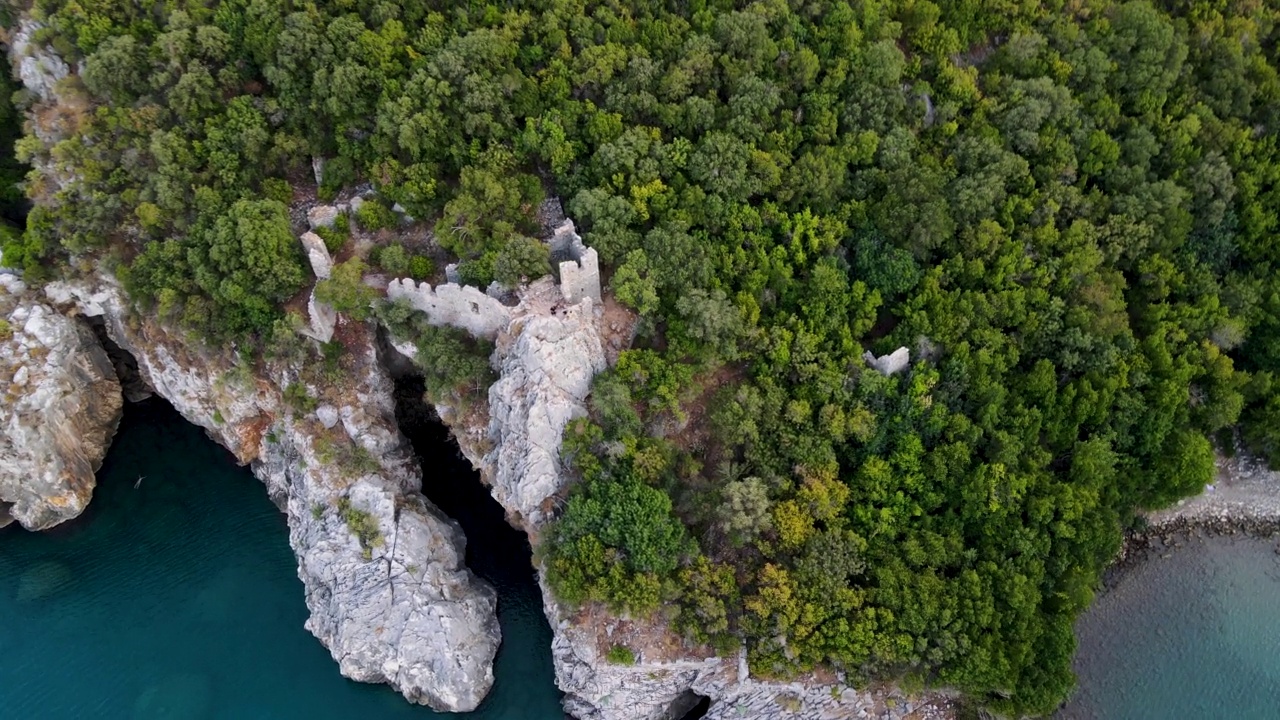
1066, 211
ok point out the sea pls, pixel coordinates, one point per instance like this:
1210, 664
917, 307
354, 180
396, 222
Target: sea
175, 596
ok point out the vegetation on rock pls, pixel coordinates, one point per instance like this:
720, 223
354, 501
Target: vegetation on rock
1067, 211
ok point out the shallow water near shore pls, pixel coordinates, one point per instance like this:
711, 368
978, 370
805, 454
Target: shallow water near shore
1194, 634
178, 599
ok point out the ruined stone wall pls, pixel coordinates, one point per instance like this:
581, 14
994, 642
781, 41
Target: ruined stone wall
455, 305
580, 275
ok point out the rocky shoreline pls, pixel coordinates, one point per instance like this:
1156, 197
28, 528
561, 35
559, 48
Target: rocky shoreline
1244, 499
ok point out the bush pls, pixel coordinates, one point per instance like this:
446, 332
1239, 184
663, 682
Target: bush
421, 267
621, 655
6, 330
373, 215
296, 395
277, 189
337, 235
521, 260
362, 524
345, 289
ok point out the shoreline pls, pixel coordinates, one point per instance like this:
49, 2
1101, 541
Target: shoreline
1243, 500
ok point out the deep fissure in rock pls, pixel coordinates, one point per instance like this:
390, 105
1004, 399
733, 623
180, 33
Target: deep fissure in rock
132, 386
691, 706
496, 551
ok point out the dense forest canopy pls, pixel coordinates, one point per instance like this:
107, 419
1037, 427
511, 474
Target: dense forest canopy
1066, 210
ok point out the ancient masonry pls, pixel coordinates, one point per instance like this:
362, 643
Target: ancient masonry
450, 304
484, 316
580, 275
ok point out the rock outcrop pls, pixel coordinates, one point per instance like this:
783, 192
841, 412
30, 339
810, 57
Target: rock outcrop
546, 356
383, 570
60, 409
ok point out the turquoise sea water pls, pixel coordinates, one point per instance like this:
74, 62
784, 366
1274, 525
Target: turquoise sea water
178, 599
1189, 636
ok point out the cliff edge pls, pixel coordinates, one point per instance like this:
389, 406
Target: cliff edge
383, 569
61, 407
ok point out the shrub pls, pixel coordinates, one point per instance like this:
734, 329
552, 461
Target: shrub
621, 655
345, 289
362, 524
337, 235
373, 215
523, 259
393, 260
296, 395
6, 330
421, 267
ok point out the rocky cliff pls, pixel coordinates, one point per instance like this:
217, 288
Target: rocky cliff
383, 569
60, 409
546, 357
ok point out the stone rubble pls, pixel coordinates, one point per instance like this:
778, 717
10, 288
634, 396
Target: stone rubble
322, 216
317, 255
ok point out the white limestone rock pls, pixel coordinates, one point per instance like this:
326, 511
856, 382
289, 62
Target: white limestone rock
545, 376
317, 255
39, 68
323, 319
60, 404
322, 216
328, 416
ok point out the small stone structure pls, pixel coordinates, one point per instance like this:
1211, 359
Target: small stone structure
889, 364
323, 319
317, 255
580, 275
450, 304
482, 313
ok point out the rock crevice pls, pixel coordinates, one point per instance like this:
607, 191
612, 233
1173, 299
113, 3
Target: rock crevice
350, 491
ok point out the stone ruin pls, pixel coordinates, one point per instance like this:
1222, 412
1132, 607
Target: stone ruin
894, 362
580, 274
459, 306
482, 313
323, 318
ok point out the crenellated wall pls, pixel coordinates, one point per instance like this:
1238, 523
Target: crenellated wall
459, 306
481, 313
579, 276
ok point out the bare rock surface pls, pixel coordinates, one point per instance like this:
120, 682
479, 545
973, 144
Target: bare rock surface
60, 407
383, 570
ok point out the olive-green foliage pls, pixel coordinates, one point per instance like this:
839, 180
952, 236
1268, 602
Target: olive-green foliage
229, 275
621, 655
346, 290
523, 259
374, 215
362, 524
336, 235
398, 262
1068, 217
617, 542
6, 330
296, 395
455, 366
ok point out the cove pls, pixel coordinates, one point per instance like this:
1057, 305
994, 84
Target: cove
176, 597
1194, 634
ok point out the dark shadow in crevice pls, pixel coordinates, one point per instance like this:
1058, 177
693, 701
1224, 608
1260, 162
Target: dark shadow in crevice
690, 706
132, 386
